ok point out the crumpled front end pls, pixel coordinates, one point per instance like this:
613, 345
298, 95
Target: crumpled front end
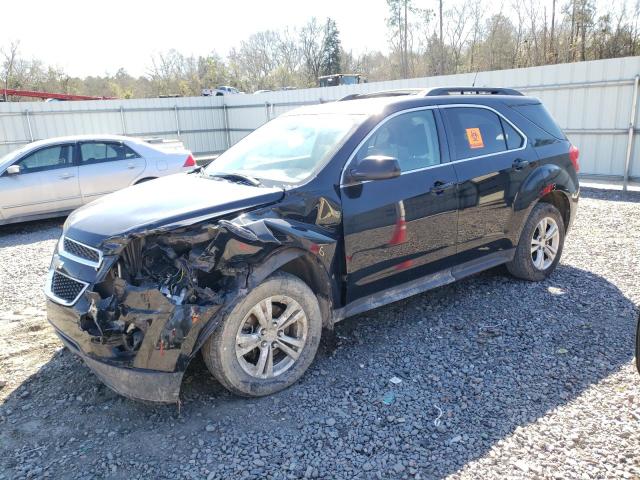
140, 306
135, 310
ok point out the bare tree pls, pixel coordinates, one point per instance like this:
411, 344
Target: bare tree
10, 55
457, 34
400, 32
312, 40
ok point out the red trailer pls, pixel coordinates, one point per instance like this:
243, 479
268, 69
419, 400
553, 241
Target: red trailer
4, 93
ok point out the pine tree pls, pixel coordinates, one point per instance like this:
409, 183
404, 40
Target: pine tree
331, 49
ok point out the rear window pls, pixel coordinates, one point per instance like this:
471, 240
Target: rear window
541, 117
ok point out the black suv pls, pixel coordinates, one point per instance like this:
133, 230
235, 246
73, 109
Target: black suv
323, 213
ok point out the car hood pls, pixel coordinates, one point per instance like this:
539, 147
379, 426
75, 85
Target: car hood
167, 202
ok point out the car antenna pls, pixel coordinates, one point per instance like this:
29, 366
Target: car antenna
474, 79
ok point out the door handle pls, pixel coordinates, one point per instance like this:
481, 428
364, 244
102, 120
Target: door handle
439, 187
519, 164
131, 165
66, 176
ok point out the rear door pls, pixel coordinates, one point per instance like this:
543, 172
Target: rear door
47, 183
403, 228
105, 167
491, 160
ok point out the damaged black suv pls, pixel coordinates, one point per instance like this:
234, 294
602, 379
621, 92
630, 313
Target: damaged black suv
323, 213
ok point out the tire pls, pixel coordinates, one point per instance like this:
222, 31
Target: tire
244, 370
535, 266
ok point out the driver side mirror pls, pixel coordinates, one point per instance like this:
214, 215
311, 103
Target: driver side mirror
13, 170
374, 167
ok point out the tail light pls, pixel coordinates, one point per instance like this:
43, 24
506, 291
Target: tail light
574, 153
189, 162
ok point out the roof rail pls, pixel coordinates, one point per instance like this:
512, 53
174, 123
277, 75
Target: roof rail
384, 93
471, 91
432, 92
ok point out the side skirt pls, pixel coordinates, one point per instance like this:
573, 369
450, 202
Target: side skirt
423, 284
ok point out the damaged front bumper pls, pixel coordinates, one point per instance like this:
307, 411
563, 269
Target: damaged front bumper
134, 383
152, 372
137, 340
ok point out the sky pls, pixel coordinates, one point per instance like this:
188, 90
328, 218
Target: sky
96, 37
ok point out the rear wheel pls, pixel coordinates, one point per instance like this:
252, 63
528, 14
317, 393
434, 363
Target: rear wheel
540, 246
268, 340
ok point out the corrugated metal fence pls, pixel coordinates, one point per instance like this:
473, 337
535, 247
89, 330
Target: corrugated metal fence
592, 101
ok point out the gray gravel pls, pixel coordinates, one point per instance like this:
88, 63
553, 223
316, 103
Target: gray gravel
498, 378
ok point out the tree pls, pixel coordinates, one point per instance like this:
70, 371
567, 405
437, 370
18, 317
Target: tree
398, 24
331, 49
312, 40
10, 56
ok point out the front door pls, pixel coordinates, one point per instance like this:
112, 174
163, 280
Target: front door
403, 228
106, 167
47, 183
492, 160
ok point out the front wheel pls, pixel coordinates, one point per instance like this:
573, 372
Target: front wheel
268, 340
540, 246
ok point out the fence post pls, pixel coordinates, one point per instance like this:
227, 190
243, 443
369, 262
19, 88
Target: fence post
175, 108
226, 124
26, 114
124, 124
632, 128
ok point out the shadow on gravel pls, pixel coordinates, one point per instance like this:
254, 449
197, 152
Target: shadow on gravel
30, 232
477, 359
610, 195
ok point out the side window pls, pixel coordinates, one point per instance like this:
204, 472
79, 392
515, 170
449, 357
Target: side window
98, 152
514, 139
411, 137
49, 158
477, 131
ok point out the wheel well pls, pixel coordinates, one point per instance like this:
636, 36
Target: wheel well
145, 179
310, 272
560, 201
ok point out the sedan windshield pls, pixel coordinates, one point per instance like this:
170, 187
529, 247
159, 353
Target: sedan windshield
288, 150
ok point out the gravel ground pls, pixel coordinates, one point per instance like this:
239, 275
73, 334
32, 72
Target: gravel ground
498, 378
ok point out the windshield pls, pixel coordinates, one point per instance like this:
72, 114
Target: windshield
289, 149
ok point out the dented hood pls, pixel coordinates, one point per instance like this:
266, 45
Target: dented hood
171, 201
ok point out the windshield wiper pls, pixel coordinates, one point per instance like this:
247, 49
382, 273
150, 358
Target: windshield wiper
236, 177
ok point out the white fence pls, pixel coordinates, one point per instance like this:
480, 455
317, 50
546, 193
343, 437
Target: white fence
592, 102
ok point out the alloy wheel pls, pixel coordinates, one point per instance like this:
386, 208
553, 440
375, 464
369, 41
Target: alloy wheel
544, 243
271, 337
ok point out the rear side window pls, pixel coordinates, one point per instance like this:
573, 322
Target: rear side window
98, 152
513, 138
541, 117
478, 131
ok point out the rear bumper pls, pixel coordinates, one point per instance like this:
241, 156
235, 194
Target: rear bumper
573, 209
133, 383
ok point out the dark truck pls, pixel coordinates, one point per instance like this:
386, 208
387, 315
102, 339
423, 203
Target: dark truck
322, 213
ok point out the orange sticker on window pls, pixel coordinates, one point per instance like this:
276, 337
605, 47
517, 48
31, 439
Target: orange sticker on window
475, 138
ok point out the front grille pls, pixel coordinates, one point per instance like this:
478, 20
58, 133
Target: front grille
65, 289
81, 251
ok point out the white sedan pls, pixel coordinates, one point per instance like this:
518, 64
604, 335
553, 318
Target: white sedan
52, 177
